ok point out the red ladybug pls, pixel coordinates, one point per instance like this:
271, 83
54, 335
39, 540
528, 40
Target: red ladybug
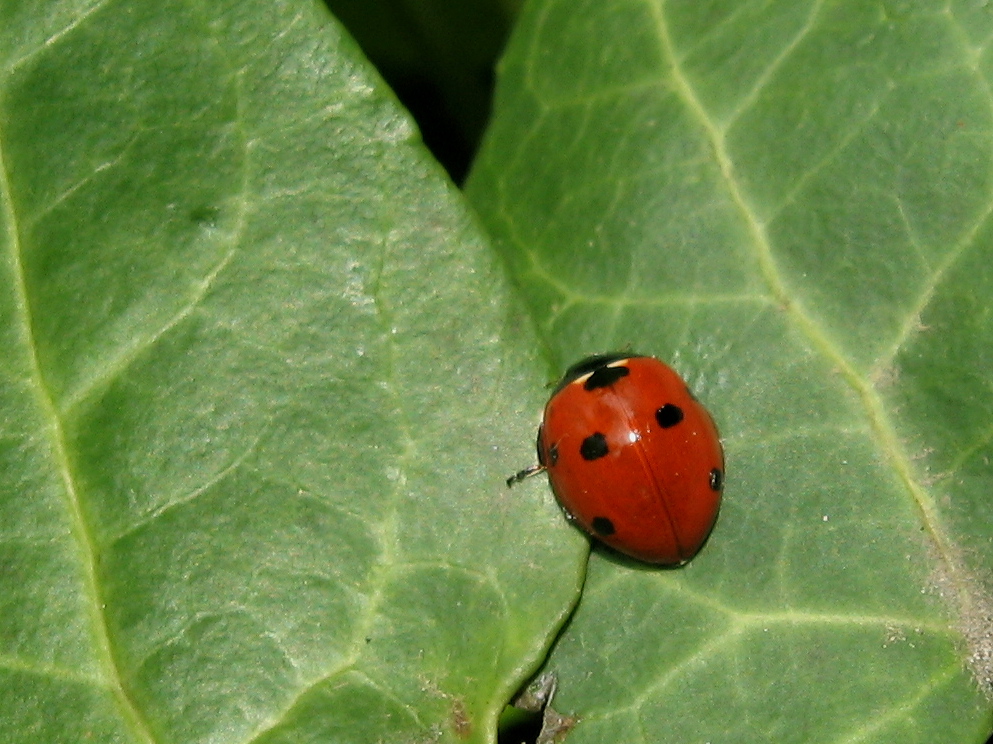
632, 457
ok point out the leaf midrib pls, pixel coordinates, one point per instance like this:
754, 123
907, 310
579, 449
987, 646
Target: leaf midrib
879, 423
55, 434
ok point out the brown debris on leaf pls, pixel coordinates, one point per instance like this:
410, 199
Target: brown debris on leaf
537, 697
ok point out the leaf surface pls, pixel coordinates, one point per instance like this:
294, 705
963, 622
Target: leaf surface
259, 370
790, 202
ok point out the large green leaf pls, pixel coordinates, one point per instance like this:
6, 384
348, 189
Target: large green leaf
258, 371
791, 201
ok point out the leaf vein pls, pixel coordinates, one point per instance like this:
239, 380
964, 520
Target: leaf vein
765, 76
62, 463
819, 339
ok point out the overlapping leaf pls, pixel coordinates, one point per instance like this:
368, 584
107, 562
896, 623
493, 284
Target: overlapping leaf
259, 370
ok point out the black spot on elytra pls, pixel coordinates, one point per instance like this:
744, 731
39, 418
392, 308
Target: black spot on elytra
594, 447
716, 479
553, 454
605, 377
669, 415
602, 526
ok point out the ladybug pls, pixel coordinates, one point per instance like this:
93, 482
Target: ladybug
633, 458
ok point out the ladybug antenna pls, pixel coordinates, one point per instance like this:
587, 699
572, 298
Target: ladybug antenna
526, 473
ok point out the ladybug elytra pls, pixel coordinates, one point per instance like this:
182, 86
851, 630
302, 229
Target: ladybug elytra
632, 457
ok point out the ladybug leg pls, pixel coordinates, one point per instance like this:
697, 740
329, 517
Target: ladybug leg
534, 469
526, 473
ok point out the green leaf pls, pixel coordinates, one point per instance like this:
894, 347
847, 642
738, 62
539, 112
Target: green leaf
259, 371
791, 202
